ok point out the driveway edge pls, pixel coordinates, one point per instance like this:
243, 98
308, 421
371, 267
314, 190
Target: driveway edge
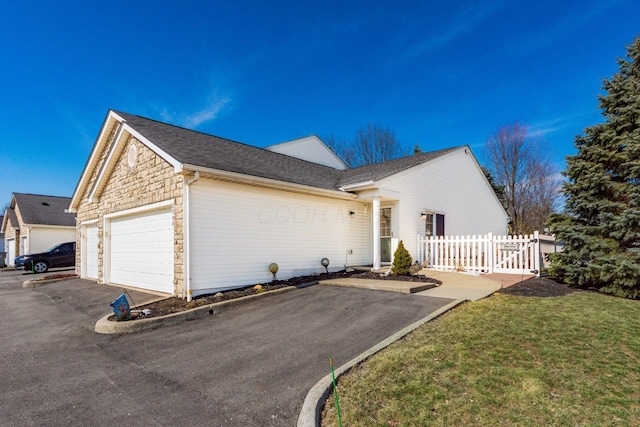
105, 326
31, 283
314, 401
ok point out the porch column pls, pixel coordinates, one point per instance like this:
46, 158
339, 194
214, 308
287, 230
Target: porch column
376, 232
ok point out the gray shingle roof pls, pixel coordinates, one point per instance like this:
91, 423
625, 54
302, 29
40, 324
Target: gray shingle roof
12, 218
200, 149
203, 150
44, 210
381, 170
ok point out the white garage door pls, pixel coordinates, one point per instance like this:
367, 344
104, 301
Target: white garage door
10, 247
91, 252
141, 252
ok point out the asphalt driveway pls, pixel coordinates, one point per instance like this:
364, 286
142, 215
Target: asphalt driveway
249, 366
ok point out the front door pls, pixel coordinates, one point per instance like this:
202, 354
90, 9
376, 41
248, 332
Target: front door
386, 233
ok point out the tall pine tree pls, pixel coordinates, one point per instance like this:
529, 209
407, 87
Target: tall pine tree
601, 223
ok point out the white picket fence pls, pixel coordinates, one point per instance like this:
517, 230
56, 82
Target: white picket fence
482, 254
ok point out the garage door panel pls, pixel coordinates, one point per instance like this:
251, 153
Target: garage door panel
142, 251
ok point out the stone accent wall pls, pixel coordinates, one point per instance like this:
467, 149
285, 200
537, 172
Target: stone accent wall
22, 231
13, 233
149, 181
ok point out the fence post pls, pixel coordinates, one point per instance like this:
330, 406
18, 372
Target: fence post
536, 236
490, 253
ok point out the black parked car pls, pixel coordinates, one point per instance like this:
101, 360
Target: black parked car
61, 255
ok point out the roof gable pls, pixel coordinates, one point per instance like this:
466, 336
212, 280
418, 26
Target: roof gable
36, 209
378, 171
312, 149
9, 219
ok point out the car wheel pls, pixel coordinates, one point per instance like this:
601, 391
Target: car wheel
40, 267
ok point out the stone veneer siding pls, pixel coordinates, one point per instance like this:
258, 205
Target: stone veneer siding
13, 233
151, 180
16, 233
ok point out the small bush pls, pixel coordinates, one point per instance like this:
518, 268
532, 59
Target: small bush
401, 261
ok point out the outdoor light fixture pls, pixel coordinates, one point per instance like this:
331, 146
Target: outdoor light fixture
423, 215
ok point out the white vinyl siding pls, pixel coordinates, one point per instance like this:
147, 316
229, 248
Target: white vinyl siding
236, 231
452, 185
90, 259
141, 251
41, 238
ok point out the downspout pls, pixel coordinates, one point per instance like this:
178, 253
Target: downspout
186, 291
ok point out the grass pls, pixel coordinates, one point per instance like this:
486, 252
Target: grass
505, 360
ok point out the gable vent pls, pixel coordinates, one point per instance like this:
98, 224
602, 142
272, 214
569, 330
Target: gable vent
132, 155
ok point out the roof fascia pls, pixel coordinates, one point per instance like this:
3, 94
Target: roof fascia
268, 183
495, 196
160, 152
358, 186
98, 184
5, 220
49, 226
122, 138
420, 165
112, 119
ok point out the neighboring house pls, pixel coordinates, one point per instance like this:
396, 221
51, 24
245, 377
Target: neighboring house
173, 210
2, 254
33, 223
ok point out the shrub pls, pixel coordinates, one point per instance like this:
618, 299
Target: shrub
401, 261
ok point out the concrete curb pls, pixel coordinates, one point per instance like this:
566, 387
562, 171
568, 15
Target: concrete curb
313, 403
34, 283
105, 326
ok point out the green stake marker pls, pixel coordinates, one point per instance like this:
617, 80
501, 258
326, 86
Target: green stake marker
335, 390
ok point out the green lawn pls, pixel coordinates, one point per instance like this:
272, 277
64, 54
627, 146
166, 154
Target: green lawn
505, 360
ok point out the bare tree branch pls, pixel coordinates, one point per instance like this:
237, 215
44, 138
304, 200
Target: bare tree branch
522, 165
371, 144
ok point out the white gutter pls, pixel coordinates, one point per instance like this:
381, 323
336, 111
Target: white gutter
186, 289
357, 186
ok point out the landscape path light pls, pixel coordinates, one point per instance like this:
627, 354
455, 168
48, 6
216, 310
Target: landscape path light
325, 263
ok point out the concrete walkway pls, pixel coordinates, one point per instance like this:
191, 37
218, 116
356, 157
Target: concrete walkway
456, 286
460, 286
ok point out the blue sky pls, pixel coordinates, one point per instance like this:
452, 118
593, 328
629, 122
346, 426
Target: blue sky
438, 73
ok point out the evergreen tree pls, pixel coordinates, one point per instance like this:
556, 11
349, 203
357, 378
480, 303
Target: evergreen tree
498, 189
401, 261
601, 224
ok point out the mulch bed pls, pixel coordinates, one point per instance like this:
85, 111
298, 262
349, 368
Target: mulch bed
176, 305
534, 287
538, 287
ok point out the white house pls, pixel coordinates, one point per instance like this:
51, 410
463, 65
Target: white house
33, 223
181, 212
